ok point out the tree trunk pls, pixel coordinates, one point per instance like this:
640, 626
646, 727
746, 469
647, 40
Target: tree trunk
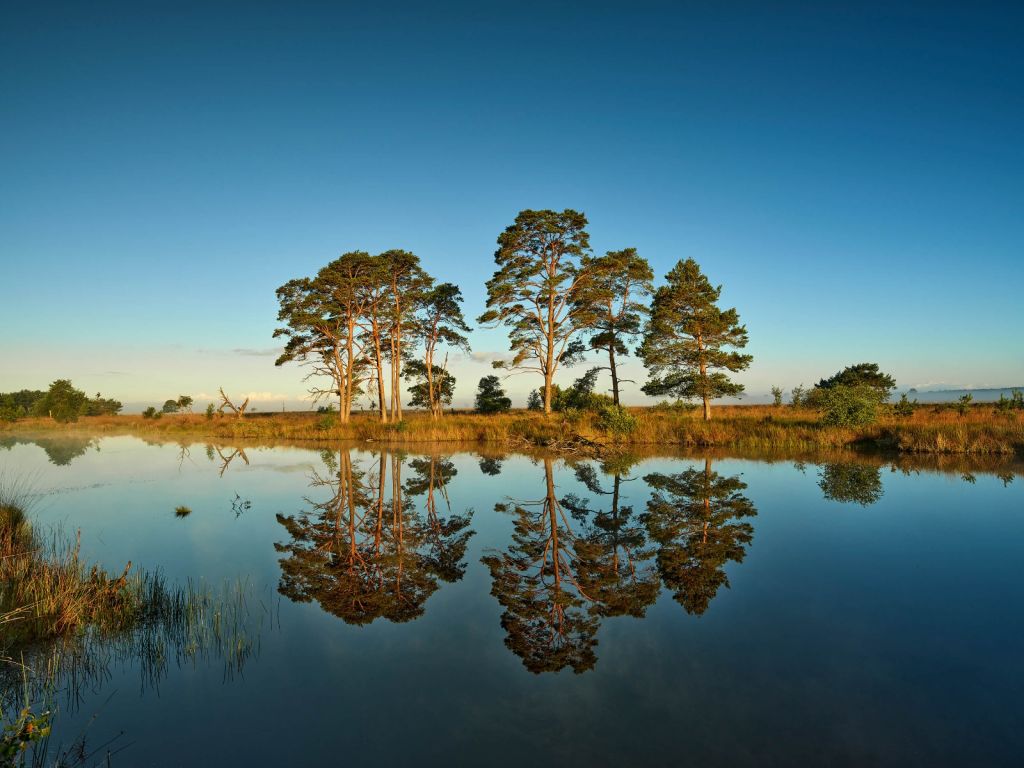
379, 365
396, 368
704, 379
615, 373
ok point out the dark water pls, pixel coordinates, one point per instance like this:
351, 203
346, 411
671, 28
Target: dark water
461, 610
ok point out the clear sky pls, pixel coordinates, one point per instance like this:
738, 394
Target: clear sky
853, 174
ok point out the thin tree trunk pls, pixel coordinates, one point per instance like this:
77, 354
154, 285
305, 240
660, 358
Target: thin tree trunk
396, 365
615, 374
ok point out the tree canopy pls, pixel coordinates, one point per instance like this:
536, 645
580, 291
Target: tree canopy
614, 293
534, 291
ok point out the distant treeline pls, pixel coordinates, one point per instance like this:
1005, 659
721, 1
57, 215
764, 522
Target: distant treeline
61, 401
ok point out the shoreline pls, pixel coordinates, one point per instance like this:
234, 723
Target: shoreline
761, 428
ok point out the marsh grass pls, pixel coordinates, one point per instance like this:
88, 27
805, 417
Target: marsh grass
63, 624
935, 429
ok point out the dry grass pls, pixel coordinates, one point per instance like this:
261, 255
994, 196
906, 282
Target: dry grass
929, 430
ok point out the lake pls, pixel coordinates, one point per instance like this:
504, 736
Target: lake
453, 608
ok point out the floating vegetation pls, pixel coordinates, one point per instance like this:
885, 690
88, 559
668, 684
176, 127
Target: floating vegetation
182, 511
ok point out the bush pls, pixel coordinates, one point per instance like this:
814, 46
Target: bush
616, 420
964, 403
798, 396
535, 401
151, 413
848, 406
777, 396
210, 410
904, 407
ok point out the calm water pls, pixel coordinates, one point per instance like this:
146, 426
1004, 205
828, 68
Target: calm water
462, 610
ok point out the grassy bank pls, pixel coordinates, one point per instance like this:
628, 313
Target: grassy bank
929, 430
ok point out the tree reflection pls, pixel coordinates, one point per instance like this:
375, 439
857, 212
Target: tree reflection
61, 451
364, 554
545, 616
613, 547
851, 482
695, 517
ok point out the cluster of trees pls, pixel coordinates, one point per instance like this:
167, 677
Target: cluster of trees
559, 301
61, 401
366, 323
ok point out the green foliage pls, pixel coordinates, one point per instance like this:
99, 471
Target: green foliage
491, 397
100, 406
535, 401
861, 375
616, 420
170, 406
1015, 402
964, 403
151, 413
185, 403
684, 347
535, 288
17, 405
905, 408
19, 734
62, 402
444, 385
613, 292
580, 396
849, 406
798, 396
777, 397
210, 410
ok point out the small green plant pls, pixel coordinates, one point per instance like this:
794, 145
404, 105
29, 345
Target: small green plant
616, 420
328, 420
777, 396
210, 410
151, 413
24, 730
905, 408
964, 403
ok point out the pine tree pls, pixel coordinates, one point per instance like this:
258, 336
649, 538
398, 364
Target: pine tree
684, 347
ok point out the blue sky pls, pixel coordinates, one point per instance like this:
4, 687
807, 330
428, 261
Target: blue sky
853, 175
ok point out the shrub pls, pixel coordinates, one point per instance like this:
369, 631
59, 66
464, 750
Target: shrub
535, 401
777, 396
964, 403
151, 413
848, 406
210, 410
616, 420
905, 407
797, 397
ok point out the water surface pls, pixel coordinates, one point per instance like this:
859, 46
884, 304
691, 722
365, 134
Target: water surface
511, 610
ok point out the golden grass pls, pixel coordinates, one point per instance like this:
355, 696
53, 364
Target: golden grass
929, 430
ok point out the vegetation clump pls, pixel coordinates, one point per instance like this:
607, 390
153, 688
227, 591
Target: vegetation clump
491, 397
